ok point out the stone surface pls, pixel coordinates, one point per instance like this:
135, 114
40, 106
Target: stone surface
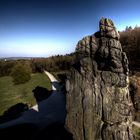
97, 100
108, 29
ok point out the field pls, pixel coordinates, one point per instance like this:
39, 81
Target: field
11, 94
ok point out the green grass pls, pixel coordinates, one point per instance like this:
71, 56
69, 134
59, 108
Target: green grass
11, 94
136, 132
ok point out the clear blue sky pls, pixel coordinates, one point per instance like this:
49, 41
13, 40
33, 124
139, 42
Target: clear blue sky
42, 28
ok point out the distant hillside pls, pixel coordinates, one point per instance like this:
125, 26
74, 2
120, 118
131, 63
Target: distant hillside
18, 58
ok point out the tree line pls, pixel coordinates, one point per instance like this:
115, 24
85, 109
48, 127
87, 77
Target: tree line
130, 40
21, 70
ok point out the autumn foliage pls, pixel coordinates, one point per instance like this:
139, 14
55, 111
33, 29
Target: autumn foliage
130, 40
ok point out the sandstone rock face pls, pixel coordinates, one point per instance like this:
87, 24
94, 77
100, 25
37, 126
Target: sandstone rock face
108, 29
98, 102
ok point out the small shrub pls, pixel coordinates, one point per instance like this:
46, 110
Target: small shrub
20, 74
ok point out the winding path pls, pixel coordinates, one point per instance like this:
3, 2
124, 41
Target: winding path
51, 77
45, 112
136, 123
54, 81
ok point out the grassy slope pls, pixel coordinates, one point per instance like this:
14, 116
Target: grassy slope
11, 94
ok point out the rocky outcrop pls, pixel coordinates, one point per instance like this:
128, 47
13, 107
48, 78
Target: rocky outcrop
98, 101
108, 29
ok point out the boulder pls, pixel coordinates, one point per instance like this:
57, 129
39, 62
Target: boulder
97, 100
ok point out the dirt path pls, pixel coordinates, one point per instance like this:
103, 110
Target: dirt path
55, 83
51, 77
136, 124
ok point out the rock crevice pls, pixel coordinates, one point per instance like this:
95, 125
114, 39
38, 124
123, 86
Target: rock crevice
98, 101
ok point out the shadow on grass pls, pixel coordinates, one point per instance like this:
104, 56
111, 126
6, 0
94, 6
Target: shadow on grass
20, 131
16, 110
41, 93
62, 77
13, 112
55, 131
51, 130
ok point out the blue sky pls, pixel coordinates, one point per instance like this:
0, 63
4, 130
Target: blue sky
41, 28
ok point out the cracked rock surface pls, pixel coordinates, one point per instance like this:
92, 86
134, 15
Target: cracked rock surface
97, 100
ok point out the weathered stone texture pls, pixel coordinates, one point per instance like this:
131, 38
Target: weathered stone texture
98, 101
108, 29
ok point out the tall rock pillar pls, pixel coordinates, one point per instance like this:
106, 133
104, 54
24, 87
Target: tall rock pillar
98, 101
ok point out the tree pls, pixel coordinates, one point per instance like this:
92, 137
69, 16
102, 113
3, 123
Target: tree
130, 40
20, 74
5, 67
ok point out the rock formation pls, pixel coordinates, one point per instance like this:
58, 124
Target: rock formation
98, 101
